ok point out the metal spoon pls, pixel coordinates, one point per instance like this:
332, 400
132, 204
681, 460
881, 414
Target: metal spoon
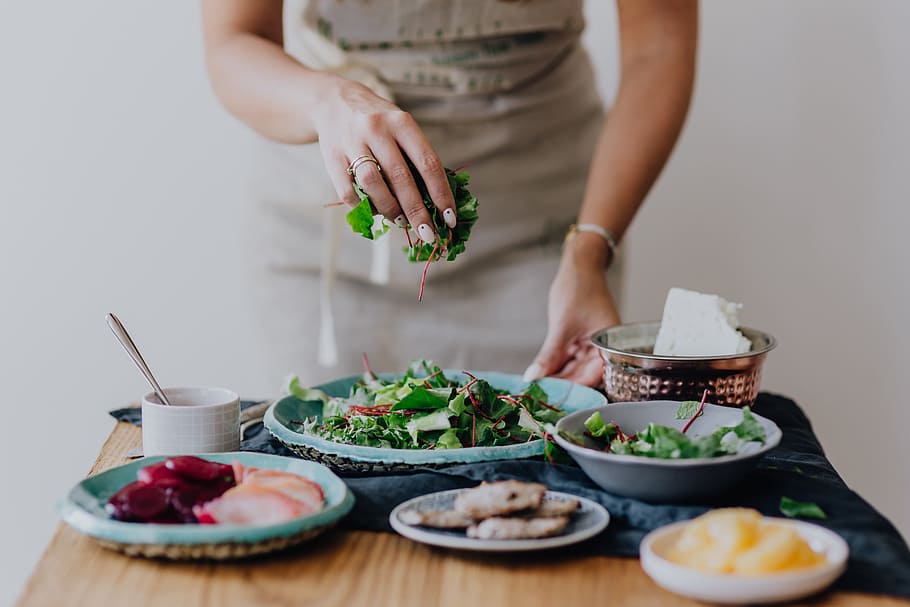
126, 341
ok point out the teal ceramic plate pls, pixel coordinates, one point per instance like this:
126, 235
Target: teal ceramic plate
83, 509
280, 416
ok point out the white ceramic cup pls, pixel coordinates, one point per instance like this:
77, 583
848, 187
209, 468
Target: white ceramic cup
199, 420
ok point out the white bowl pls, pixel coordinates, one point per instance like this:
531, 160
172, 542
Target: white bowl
198, 420
742, 589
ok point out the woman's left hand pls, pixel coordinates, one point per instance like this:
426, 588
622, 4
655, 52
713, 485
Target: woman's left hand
580, 303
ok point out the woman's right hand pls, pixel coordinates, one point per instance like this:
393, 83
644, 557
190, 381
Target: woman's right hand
352, 121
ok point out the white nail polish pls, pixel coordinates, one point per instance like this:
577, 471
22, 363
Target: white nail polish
449, 216
426, 233
401, 221
532, 373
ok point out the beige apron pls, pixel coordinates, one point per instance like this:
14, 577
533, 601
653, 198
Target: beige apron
504, 86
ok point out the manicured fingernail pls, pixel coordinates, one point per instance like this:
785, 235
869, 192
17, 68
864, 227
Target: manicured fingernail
449, 216
426, 233
532, 373
401, 221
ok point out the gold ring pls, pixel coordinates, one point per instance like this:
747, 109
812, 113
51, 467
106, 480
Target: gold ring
355, 164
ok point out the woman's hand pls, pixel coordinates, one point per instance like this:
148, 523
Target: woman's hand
352, 121
291, 103
580, 304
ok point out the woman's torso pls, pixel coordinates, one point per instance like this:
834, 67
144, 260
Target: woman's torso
527, 129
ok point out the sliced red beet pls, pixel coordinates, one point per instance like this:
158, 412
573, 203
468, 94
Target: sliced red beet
182, 502
168, 518
184, 499
138, 502
198, 469
159, 475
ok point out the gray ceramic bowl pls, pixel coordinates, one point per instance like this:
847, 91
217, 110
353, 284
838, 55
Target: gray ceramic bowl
665, 480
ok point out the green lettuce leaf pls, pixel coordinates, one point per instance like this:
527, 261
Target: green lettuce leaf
425, 398
360, 218
749, 429
597, 428
535, 392
295, 389
363, 220
573, 437
448, 440
457, 404
437, 420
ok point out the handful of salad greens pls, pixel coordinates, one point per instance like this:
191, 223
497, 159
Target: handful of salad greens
426, 410
669, 443
450, 242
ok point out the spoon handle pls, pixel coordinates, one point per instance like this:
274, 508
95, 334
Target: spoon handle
126, 341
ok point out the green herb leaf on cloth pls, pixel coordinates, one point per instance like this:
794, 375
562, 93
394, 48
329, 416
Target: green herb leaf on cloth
794, 509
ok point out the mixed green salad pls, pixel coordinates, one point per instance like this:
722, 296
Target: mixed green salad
424, 409
450, 242
664, 442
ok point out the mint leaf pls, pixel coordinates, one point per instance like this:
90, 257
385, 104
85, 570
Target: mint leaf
792, 508
687, 409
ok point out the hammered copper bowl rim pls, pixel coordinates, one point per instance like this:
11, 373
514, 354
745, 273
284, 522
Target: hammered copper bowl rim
599, 338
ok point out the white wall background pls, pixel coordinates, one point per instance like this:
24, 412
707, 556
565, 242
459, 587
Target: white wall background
121, 188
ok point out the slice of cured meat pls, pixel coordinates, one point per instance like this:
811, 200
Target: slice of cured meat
251, 504
292, 485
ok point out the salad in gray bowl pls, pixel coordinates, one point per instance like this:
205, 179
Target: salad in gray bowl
666, 451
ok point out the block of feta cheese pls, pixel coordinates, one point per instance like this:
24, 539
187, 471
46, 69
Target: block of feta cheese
699, 324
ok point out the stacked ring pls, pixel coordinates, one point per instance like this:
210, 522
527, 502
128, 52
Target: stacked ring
362, 159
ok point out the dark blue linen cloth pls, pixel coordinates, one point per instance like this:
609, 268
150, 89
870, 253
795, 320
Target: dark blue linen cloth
879, 558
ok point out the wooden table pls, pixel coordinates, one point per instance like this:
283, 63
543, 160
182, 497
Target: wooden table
348, 568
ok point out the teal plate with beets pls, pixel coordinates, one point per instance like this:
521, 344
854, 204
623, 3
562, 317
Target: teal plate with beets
280, 418
83, 509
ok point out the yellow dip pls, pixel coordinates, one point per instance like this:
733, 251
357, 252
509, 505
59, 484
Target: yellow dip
738, 540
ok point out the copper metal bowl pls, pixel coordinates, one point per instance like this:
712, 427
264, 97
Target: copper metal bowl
633, 373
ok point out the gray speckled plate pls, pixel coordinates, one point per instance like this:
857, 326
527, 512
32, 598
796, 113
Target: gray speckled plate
590, 519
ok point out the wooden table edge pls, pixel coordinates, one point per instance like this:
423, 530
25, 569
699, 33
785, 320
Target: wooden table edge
125, 436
